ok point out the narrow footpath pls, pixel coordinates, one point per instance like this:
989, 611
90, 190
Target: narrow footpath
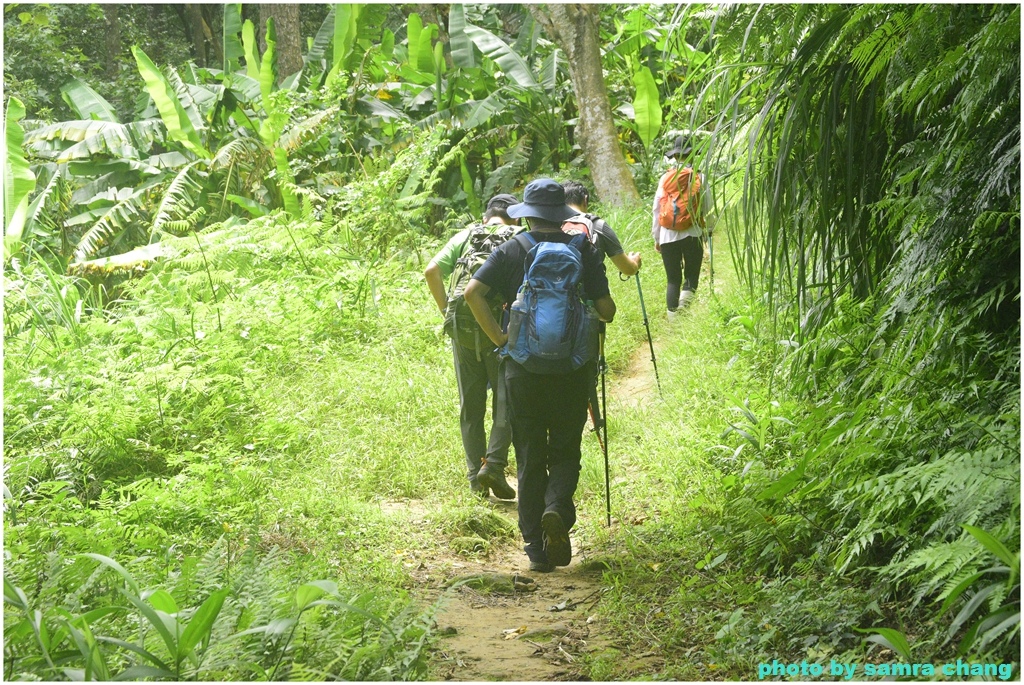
499, 621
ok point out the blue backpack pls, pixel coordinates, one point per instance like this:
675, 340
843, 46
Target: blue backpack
551, 329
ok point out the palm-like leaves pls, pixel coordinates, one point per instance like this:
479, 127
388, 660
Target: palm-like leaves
19, 180
86, 102
880, 148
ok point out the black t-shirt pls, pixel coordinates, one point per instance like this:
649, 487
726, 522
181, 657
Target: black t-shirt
605, 237
504, 270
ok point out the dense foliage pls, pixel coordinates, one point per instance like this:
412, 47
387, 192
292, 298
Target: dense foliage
218, 356
881, 171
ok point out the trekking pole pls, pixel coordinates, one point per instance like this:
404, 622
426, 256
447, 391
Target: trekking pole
647, 325
711, 258
596, 414
604, 425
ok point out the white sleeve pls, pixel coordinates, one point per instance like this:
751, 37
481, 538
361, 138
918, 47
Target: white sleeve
655, 226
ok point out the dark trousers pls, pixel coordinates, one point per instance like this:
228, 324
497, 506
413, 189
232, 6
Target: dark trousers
681, 257
474, 375
548, 412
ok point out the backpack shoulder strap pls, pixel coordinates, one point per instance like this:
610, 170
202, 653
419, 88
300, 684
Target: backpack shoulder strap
526, 240
577, 242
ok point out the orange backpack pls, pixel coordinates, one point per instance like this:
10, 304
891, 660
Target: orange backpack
581, 223
679, 206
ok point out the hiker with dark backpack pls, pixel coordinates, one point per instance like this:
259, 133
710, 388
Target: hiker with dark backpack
607, 243
556, 289
680, 217
477, 365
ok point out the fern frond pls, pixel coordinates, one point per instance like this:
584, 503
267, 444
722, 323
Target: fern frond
180, 195
297, 134
872, 55
116, 219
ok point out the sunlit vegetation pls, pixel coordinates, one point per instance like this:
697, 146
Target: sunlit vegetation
220, 357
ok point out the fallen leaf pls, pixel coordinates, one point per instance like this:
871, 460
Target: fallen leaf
513, 633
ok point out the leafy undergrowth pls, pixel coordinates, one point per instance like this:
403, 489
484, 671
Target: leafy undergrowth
225, 440
228, 441
226, 427
755, 525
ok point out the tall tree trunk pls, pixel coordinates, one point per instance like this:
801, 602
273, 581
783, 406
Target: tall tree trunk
289, 36
194, 13
113, 39
574, 29
212, 36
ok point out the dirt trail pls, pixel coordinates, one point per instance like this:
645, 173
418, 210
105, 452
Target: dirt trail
537, 626
514, 624
535, 629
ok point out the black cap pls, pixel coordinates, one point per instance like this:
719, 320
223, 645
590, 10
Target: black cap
543, 199
501, 201
680, 147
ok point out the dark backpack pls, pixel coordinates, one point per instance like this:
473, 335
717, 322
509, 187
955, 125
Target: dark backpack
459, 322
551, 329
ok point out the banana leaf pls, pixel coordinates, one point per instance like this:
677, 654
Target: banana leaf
499, 51
100, 167
114, 142
179, 126
181, 195
113, 222
167, 160
646, 106
318, 50
232, 45
19, 181
285, 180
74, 130
374, 107
86, 102
252, 59
268, 67
244, 88
414, 28
38, 206
346, 27
463, 54
115, 179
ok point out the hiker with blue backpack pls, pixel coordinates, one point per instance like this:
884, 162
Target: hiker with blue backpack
556, 290
477, 365
680, 217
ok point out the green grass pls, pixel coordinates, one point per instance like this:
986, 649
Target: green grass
303, 427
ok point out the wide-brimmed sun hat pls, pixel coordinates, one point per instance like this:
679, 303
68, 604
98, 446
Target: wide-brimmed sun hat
543, 199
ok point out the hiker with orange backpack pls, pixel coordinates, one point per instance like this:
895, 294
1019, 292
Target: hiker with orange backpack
680, 217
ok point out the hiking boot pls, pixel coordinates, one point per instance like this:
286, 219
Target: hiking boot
685, 298
672, 314
542, 566
493, 476
556, 539
481, 491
